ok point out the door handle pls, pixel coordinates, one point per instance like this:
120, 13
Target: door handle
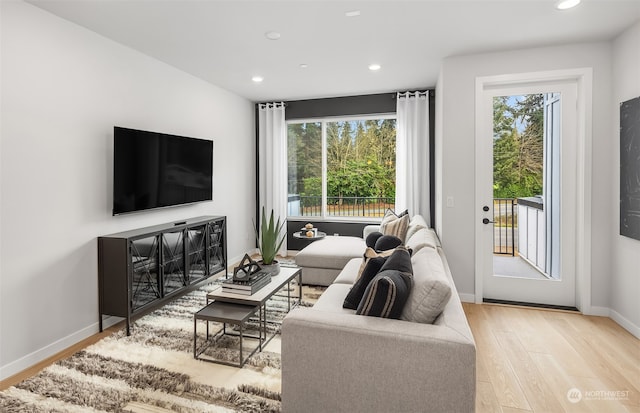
487, 221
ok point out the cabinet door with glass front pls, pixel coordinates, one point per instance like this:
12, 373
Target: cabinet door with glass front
145, 271
196, 253
216, 248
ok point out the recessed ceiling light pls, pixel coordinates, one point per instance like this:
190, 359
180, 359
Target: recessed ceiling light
257, 79
352, 13
304, 66
566, 4
374, 67
272, 35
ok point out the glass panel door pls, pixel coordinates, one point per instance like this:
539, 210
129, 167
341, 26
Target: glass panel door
526, 168
196, 258
519, 176
145, 280
215, 247
173, 261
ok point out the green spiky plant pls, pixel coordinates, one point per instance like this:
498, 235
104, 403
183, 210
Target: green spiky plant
269, 237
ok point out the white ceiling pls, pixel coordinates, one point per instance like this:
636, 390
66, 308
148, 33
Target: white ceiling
224, 43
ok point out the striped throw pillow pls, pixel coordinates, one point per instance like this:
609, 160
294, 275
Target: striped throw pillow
386, 295
396, 225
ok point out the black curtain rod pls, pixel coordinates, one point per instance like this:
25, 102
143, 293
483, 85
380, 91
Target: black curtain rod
429, 92
393, 95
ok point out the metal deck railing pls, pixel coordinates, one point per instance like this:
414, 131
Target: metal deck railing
505, 217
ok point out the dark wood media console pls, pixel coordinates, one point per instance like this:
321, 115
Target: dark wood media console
142, 269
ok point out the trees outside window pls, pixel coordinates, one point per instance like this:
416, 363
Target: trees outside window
356, 175
518, 141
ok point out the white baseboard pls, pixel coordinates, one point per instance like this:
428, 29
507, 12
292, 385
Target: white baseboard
37, 356
467, 298
625, 323
597, 311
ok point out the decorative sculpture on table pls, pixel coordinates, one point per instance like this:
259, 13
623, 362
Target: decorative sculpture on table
246, 269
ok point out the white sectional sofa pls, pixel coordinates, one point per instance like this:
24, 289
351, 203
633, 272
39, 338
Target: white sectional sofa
334, 360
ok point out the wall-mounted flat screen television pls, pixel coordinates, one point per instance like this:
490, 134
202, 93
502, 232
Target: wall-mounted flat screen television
155, 170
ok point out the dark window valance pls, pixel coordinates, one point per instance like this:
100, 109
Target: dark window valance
342, 106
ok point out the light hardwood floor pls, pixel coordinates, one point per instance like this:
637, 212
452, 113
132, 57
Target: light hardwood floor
529, 360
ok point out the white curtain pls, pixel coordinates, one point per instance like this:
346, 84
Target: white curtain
412, 154
272, 185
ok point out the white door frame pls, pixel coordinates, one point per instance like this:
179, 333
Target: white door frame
583, 78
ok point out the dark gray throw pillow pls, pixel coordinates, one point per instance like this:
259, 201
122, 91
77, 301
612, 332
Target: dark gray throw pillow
372, 239
387, 242
386, 295
370, 270
400, 260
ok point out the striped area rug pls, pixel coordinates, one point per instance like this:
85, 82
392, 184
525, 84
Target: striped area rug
153, 369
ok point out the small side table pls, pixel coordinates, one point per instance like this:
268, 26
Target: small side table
319, 235
225, 313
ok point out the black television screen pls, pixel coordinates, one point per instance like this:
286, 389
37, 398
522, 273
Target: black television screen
154, 170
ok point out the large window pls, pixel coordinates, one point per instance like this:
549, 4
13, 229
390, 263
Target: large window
341, 167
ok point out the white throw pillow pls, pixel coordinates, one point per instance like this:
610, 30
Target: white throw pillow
431, 289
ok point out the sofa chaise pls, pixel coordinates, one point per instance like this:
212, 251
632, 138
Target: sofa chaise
322, 261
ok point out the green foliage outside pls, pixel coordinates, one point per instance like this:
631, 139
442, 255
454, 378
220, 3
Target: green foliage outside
518, 138
360, 159
357, 179
304, 151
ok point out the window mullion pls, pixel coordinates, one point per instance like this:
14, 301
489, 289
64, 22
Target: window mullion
324, 169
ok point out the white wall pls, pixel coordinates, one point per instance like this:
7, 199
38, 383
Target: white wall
457, 88
625, 252
63, 90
